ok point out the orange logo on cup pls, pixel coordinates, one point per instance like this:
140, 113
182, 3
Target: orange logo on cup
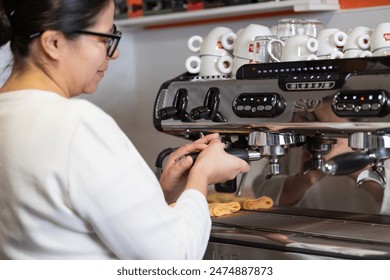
219, 45
386, 36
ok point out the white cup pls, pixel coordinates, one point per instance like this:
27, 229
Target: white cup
238, 62
333, 55
244, 44
300, 47
382, 52
219, 41
353, 53
330, 41
209, 65
359, 38
380, 38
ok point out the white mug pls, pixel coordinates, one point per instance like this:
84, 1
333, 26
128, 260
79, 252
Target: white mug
238, 62
209, 65
219, 41
380, 38
382, 52
300, 47
330, 41
357, 53
359, 38
244, 44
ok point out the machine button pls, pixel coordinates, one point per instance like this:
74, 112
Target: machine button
260, 107
268, 107
240, 107
358, 108
350, 107
375, 106
340, 107
248, 108
366, 106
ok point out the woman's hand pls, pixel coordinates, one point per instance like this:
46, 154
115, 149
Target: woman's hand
214, 165
174, 177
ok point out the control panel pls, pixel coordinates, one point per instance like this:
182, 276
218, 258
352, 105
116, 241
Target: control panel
367, 103
258, 105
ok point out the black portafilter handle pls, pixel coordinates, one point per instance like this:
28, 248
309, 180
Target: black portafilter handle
347, 163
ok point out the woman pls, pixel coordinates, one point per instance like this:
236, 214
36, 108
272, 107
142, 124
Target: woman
72, 185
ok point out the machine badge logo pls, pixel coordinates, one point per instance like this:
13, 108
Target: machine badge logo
306, 105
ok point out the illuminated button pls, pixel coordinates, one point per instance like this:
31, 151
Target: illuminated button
253, 109
366, 106
240, 107
340, 107
358, 108
260, 108
350, 107
268, 107
375, 106
247, 108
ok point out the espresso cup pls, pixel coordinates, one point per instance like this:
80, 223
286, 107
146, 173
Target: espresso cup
359, 38
380, 38
355, 53
330, 41
244, 44
300, 47
238, 62
382, 52
209, 65
219, 41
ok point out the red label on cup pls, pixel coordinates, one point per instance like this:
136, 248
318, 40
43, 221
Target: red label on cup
250, 48
219, 45
386, 36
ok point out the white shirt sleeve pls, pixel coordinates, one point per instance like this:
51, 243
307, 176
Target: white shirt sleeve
112, 188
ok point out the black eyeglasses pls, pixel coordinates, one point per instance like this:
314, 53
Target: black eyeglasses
113, 38
112, 43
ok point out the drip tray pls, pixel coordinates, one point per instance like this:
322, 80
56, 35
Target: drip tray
320, 234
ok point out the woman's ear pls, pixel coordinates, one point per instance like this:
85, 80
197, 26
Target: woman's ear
51, 42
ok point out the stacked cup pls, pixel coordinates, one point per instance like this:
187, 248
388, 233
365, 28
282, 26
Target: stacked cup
214, 50
245, 44
330, 43
380, 40
358, 42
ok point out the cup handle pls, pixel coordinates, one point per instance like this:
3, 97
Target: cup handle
312, 45
269, 48
312, 57
365, 54
340, 38
336, 55
224, 64
193, 69
193, 41
228, 40
364, 42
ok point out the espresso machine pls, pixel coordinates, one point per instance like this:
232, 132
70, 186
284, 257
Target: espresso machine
269, 108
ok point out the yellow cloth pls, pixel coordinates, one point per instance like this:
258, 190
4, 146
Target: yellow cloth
219, 209
263, 202
246, 203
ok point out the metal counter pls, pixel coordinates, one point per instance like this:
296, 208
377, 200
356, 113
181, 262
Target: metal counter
299, 234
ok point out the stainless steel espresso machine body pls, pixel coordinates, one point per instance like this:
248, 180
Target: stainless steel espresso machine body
268, 109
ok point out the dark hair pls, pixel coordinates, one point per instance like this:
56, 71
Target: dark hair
19, 19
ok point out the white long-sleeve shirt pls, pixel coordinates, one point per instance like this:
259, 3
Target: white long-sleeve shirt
72, 186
